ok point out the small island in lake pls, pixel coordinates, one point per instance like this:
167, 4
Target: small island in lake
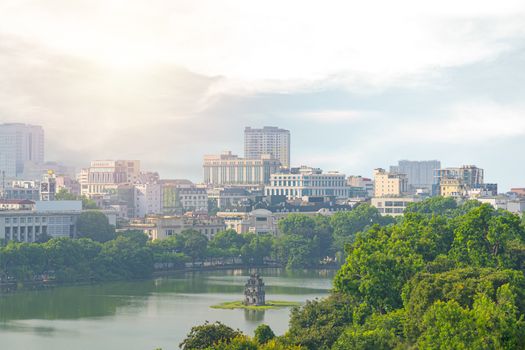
255, 298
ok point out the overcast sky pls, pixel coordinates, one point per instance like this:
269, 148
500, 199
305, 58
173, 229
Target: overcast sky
360, 84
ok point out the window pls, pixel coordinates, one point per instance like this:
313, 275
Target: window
7, 220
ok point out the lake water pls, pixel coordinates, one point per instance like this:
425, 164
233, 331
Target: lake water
145, 315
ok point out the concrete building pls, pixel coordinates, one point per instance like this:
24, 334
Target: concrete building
16, 204
452, 188
147, 199
309, 182
229, 196
362, 182
420, 174
229, 169
162, 227
48, 187
67, 183
462, 182
519, 191
52, 218
389, 184
393, 206
20, 144
268, 140
258, 221
104, 176
19, 189
180, 196
470, 175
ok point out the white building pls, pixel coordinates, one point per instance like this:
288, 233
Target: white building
420, 174
52, 218
268, 140
20, 144
229, 169
309, 182
393, 206
259, 221
147, 199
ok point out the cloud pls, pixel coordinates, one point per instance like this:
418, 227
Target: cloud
467, 122
274, 46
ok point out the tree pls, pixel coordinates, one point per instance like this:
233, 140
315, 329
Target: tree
263, 334
256, 248
318, 323
95, 225
380, 332
65, 195
125, 257
208, 335
194, 244
347, 224
489, 324
433, 206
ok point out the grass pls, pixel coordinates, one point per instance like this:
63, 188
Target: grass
270, 304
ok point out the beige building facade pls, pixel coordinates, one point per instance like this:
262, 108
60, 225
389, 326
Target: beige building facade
389, 184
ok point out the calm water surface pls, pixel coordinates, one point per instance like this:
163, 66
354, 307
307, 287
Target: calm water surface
147, 314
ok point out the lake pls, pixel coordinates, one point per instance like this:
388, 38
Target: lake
145, 315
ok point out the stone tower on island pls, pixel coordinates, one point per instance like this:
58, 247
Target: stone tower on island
254, 291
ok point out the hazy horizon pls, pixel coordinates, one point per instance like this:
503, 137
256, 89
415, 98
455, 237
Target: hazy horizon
359, 86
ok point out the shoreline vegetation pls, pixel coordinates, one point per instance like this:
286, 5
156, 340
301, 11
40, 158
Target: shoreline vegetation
446, 275
270, 304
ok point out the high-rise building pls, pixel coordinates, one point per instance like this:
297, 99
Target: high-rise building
470, 175
20, 144
458, 182
268, 140
229, 169
420, 174
389, 184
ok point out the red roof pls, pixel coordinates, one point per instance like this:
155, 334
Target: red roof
16, 201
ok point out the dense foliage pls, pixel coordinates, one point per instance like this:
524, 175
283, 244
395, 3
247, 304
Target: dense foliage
443, 277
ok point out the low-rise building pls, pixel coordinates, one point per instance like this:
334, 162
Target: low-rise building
51, 218
393, 206
230, 169
162, 227
306, 181
16, 204
258, 221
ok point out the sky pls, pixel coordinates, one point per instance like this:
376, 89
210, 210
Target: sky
360, 84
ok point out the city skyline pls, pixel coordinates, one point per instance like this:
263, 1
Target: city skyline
451, 88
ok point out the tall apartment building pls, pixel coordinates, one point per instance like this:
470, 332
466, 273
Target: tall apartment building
268, 140
420, 174
457, 182
389, 184
470, 175
20, 144
106, 175
147, 199
229, 169
306, 181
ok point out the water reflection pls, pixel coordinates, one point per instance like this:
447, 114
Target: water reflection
102, 300
254, 315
